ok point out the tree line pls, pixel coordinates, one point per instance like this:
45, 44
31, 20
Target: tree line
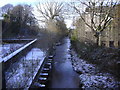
18, 20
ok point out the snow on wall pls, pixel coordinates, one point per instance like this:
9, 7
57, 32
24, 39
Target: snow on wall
17, 51
22, 73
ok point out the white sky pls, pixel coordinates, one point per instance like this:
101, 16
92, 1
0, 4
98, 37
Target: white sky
33, 3
15, 2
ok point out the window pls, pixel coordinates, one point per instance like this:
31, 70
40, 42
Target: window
103, 43
118, 44
111, 43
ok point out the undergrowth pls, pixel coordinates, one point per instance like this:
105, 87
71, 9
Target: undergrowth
106, 59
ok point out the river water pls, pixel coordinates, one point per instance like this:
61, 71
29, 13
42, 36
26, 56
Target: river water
63, 75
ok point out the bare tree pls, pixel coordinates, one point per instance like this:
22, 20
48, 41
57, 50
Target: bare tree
50, 14
100, 10
49, 10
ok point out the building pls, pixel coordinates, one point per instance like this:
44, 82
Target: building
110, 37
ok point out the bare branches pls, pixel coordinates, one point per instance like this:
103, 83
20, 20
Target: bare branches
49, 10
100, 11
97, 15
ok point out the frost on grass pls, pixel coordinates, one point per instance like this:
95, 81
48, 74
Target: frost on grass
98, 81
9, 48
21, 73
90, 76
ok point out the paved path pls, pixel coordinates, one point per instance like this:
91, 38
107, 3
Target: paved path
63, 75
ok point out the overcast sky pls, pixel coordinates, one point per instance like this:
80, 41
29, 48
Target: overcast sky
15, 2
33, 3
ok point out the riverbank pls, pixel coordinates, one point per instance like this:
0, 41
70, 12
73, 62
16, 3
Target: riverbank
90, 75
106, 59
21, 73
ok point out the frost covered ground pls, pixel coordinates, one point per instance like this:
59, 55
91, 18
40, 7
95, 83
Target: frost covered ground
9, 48
21, 73
91, 77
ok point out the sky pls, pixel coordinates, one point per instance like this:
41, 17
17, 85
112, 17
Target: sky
15, 2
33, 3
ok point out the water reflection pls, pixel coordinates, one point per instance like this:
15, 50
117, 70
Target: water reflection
63, 75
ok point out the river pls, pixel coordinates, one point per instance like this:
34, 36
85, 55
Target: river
63, 75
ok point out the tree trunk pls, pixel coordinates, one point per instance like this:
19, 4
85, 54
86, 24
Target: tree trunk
97, 36
97, 40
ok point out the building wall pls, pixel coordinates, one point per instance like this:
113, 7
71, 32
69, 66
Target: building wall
112, 33
110, 37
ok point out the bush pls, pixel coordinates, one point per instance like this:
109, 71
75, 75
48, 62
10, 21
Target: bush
106, 59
